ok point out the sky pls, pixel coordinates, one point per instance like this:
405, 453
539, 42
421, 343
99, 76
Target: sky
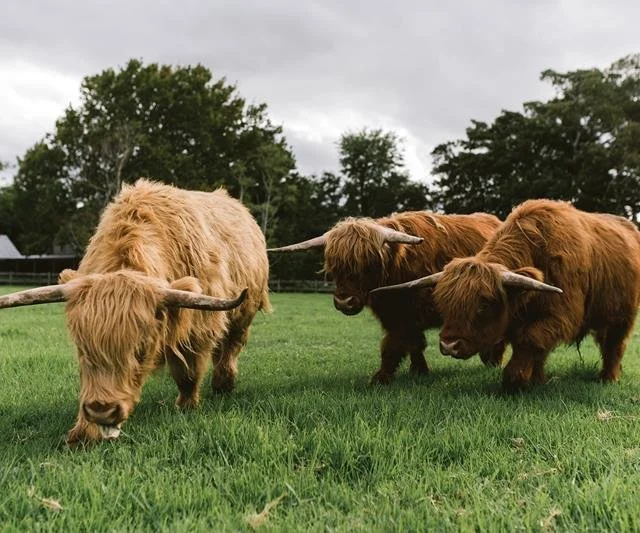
421, 68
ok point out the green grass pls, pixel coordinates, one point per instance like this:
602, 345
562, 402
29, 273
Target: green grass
444, 452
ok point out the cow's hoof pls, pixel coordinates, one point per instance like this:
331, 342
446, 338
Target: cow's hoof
223, 384
513, 386
418, 370
381, 378
609, 377
489, 359
187, 402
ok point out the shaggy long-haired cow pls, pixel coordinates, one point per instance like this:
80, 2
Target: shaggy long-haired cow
362, 254
169, 276
551, 274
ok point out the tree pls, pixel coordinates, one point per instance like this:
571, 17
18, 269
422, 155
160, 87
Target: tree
375, 182
309, 206
583, 146
173, 124
372, 183
7, 212
41, 201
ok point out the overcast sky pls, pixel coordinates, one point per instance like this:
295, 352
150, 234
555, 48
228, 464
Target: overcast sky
423, 68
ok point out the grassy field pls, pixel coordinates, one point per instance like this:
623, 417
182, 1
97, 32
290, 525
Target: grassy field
305, 444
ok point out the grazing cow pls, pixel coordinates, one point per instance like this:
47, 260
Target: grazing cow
158, 256
362, 254
550, 275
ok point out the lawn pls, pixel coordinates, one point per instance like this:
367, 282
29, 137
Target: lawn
306, 444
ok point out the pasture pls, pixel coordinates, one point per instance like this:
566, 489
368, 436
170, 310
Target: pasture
306, 444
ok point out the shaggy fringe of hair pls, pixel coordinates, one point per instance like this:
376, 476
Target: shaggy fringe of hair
353, 246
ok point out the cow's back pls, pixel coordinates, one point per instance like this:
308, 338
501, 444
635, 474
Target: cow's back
594, 258
445, 238
242, 242
170, 233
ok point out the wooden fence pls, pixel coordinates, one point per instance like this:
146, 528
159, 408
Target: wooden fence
275, 285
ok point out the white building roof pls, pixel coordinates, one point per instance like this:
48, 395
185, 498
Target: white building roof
7, 249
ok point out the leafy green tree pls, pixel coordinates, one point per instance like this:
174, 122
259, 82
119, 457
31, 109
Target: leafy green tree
375, 181
583, 146
7, 212
173, 124
41, 201
310, 205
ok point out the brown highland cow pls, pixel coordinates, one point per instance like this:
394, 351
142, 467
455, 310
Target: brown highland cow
143, 296
550, 275
362, 254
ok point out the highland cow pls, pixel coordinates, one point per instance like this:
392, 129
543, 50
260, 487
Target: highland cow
144, 293
362, 254
551, 275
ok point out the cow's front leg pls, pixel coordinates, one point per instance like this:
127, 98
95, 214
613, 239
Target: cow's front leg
418, 364
392, 350
188, 372
225, 359
527, 362
493, 356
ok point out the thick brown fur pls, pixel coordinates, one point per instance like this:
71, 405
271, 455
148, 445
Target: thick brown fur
595, 260
357, 257
152, 237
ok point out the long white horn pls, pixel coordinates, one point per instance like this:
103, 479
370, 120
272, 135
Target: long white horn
194, 300
391, 235
41, 295
511, 279
316, 242
427, 281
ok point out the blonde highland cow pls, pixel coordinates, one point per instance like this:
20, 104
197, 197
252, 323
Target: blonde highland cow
170, 276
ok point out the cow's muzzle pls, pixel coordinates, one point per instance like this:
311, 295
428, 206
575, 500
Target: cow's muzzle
350, 305
454, 348
110, 414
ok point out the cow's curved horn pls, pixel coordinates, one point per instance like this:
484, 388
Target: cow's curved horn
204, 302
316, 242
511, 279
427, 281
391, 235
41, 295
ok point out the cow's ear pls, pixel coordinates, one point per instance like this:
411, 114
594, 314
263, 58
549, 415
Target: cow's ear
67, 275
530, 272
187, 283
523, 296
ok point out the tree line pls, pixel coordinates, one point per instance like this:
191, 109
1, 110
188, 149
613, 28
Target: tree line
182, 126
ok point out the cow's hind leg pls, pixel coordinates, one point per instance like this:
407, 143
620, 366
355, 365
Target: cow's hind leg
225, 359
612, 342
188, 377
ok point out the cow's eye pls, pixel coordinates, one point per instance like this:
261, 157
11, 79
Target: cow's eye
140, 355
159, 314
484, 308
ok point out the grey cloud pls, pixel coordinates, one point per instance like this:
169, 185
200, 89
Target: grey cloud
428, 66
